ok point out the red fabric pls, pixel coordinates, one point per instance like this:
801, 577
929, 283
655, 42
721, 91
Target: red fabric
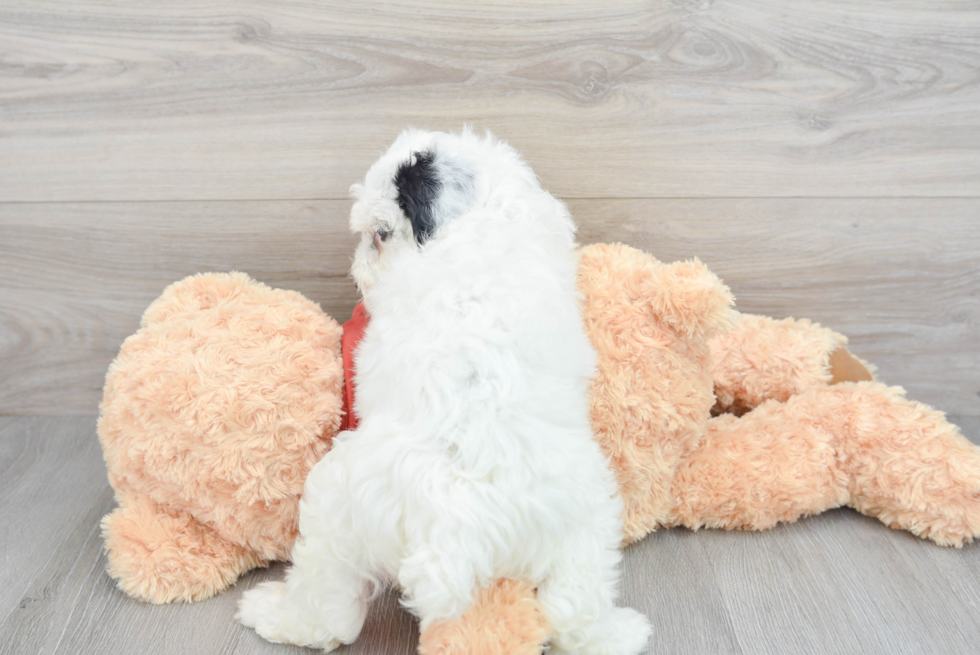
353, 332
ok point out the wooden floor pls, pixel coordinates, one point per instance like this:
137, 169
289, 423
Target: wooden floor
822, 157
835, 583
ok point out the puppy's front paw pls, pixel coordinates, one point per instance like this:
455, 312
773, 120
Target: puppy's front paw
263, 608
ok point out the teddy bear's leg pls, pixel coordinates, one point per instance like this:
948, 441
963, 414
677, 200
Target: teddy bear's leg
908, 466
164, 555
860, 444
506, 619
762, 359
772, 465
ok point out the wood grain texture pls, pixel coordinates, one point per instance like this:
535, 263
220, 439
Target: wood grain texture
669, 577
114, 100
76, 279
838, 583
831, 583
49, 478
901, 277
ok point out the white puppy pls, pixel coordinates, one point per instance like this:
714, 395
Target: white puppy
474, 458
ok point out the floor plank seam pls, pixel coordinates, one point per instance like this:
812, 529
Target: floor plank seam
728, 609
95, 532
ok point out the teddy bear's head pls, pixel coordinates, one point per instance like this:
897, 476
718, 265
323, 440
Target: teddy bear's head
650, 323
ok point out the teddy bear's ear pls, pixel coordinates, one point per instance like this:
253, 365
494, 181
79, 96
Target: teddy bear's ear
693, 300
685, 298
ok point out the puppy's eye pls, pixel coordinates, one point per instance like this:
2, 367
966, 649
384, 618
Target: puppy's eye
380, 237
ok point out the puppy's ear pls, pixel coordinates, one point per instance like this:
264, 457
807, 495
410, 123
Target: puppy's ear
418, 188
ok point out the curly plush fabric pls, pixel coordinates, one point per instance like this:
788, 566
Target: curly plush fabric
506, 620
746, 372
213, 414
650, 323
859, 444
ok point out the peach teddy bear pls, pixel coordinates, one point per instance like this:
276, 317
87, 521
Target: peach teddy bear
815, 432
213, 414
217, 408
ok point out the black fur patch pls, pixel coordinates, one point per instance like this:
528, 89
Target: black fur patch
418, 188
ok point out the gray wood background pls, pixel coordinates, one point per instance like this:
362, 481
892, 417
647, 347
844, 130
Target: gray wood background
822, 157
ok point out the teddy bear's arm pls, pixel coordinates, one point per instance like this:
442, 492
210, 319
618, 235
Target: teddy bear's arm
164, 555
858, 444
762, 358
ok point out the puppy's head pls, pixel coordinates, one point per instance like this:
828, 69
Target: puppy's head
424, 181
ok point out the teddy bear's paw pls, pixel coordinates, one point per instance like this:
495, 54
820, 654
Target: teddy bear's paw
265, 609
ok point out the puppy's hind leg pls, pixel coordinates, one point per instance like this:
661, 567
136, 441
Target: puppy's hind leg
577, 597
323, 601
437, 583
320, 604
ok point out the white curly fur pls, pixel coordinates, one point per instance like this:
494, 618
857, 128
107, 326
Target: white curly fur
474, 458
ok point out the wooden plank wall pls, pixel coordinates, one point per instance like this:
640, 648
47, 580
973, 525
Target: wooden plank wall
822, 157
